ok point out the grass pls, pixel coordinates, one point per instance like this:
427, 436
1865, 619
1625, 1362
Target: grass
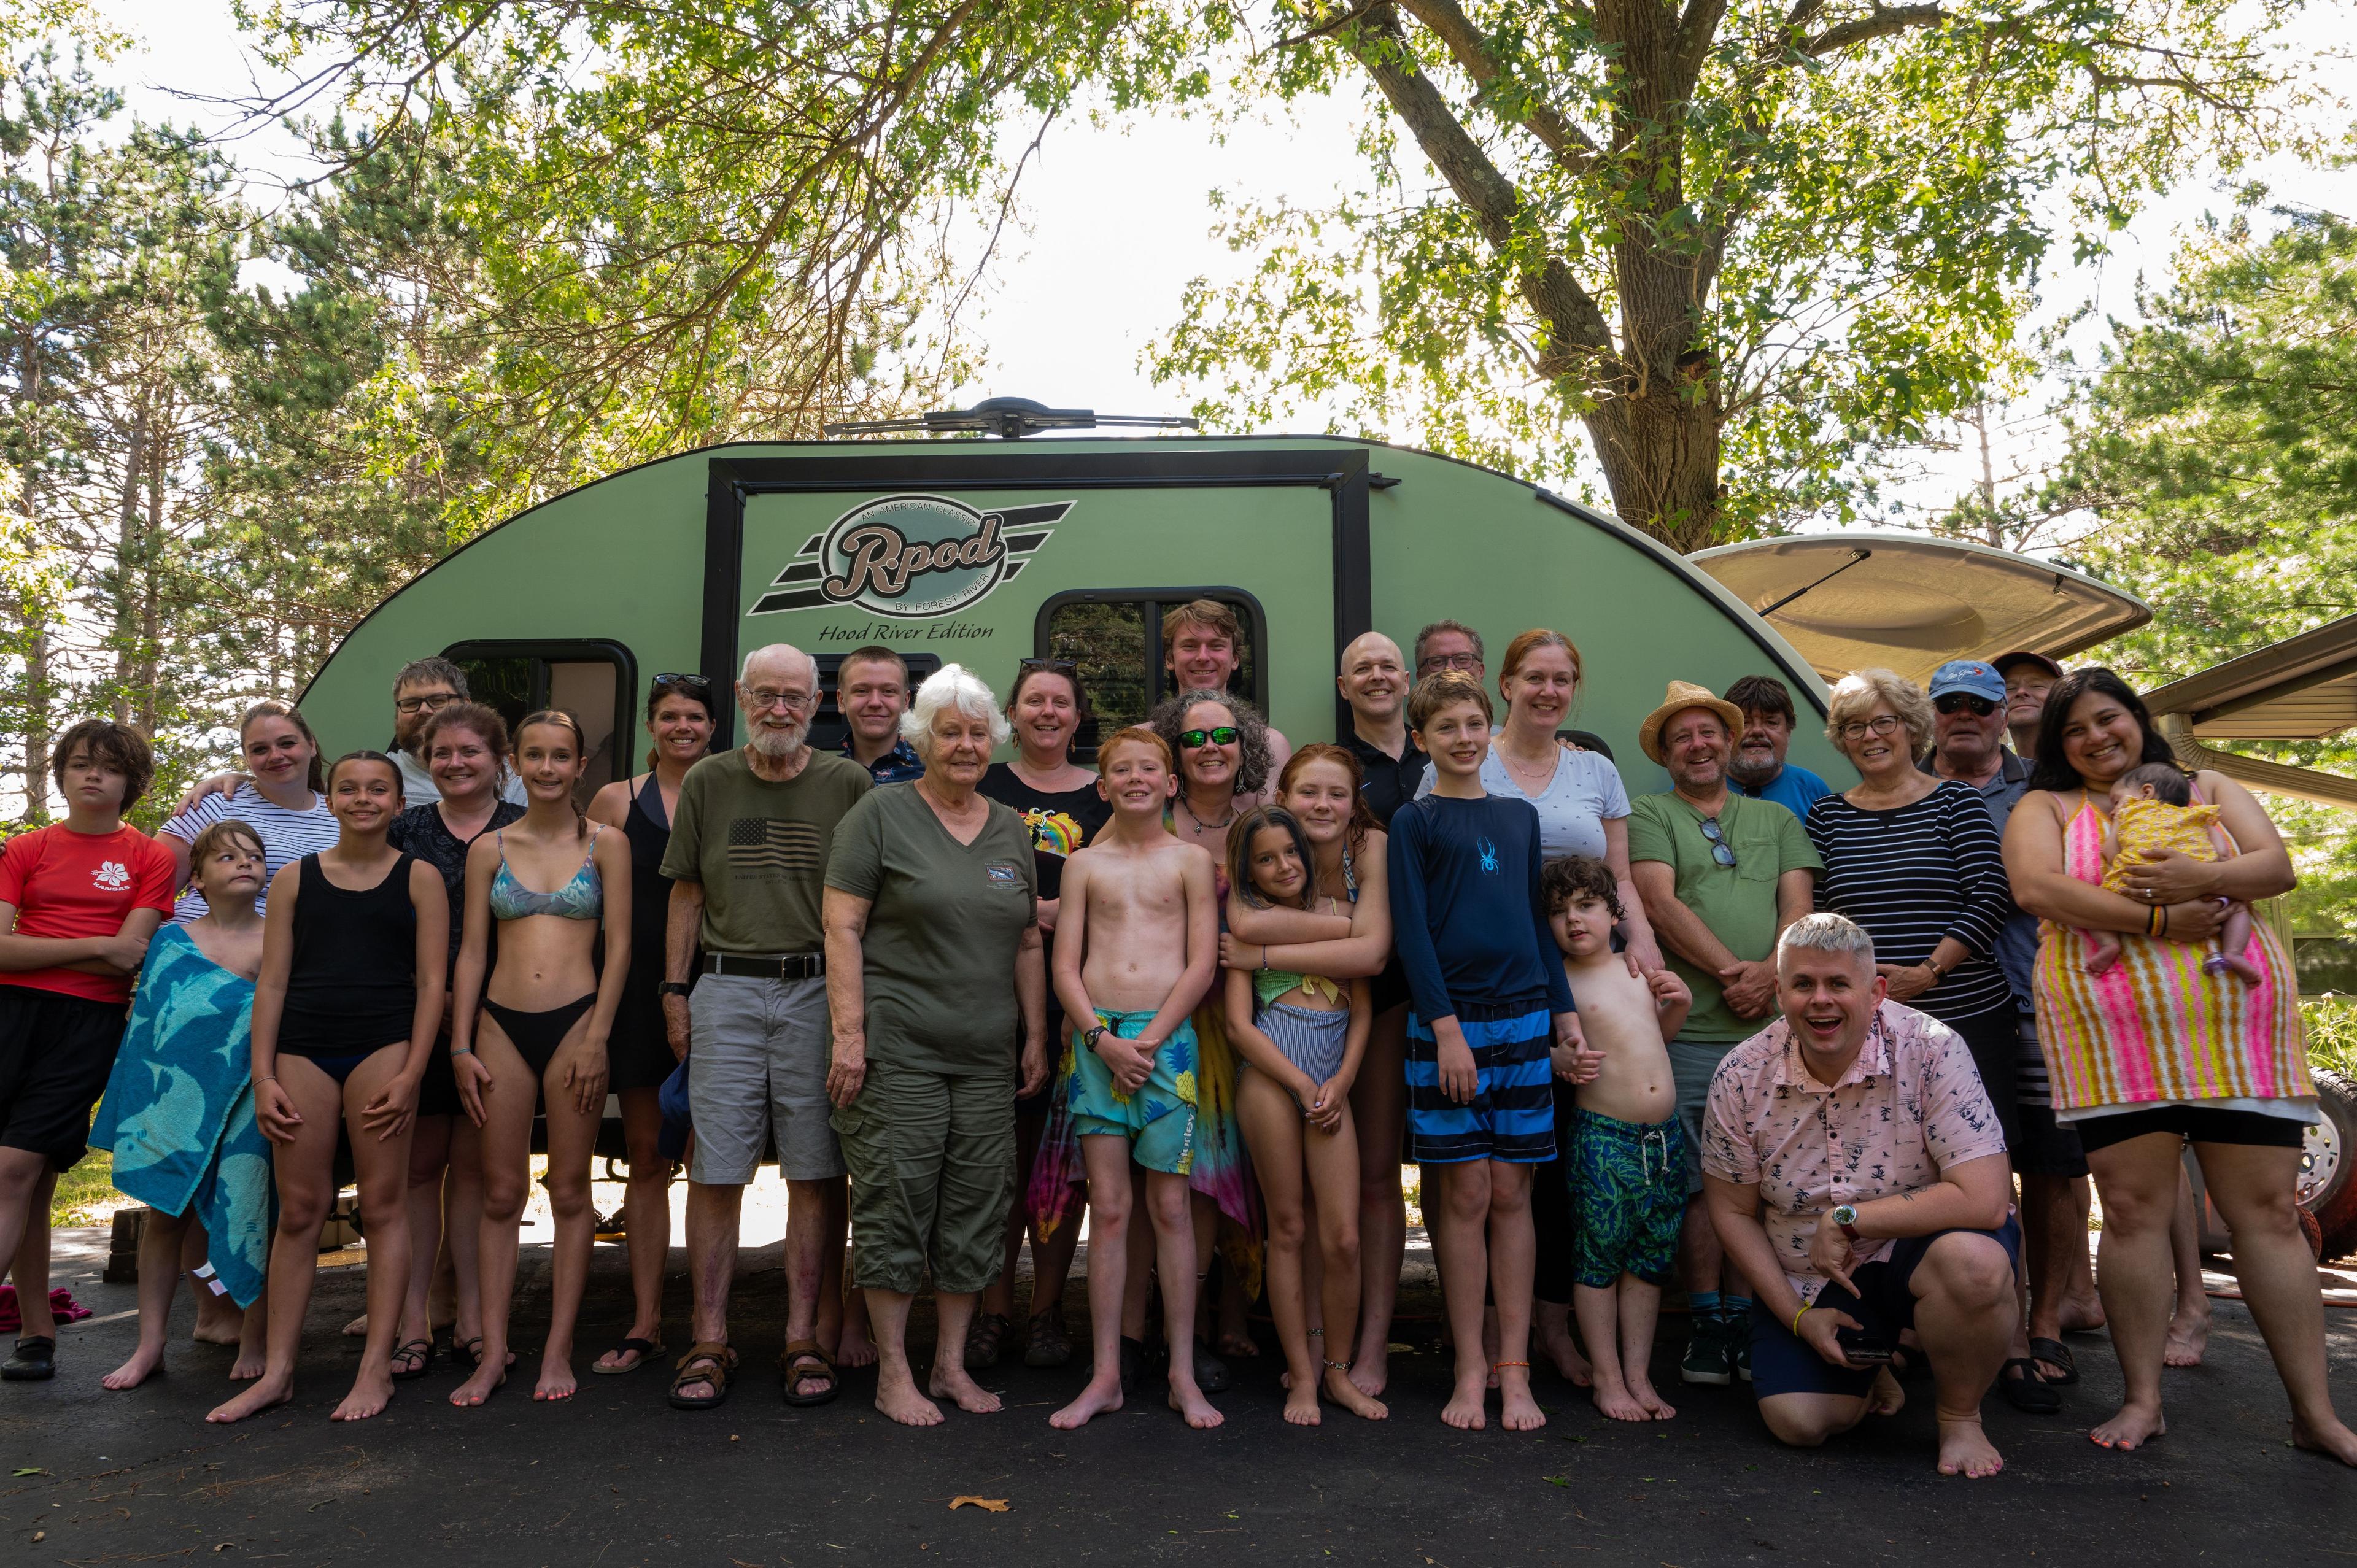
2333, 1032
86, 1193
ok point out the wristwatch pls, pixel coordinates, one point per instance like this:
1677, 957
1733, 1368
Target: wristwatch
1845, 1216
674, 988
1089, 1037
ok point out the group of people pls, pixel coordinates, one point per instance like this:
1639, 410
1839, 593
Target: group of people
1786, 1046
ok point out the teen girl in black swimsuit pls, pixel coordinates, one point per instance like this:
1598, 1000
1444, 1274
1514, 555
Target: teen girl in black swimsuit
348, 1005
639, 1053
545, 1015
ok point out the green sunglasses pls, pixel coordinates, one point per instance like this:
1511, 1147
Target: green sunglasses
1190, 739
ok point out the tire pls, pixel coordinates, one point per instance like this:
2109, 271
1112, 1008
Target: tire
2328, 1177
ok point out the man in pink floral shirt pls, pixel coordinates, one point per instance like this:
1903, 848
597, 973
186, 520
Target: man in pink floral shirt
1857, 1176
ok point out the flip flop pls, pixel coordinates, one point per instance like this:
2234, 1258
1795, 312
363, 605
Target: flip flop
2054, 1353
2026, 1392
421, 1350
645, 1350
792, 1374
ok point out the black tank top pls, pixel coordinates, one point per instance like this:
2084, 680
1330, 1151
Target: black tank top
353, 983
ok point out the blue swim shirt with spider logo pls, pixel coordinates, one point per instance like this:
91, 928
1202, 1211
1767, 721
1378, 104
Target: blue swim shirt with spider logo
1467, 913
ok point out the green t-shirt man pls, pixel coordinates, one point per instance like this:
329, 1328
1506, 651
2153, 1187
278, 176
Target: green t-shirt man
1738, 902
760, 848
945, 922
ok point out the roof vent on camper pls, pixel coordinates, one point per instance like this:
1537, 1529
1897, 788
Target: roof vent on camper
1008, 417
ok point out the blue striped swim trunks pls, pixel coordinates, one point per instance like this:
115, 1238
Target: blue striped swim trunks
1511, 1115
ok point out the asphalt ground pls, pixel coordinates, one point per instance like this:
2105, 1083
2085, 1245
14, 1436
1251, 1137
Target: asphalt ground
616, 1477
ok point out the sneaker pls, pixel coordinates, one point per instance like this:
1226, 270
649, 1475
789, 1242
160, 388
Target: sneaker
1740, 1340
1710, 1354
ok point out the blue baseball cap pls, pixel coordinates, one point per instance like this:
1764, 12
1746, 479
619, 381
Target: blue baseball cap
1968, 675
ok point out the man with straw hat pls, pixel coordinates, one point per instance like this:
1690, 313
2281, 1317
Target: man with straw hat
1721, 876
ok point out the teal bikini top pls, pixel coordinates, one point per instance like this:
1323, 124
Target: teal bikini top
1268, 984
583, 899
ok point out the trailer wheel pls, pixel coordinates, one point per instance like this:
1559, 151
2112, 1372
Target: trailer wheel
2328, 1175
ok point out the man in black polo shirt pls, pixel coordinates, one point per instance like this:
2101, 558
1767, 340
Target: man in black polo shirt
1374, 680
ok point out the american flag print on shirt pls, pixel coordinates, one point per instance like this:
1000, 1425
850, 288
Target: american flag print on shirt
766, 846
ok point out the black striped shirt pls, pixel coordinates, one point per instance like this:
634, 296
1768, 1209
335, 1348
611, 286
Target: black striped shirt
1915, 874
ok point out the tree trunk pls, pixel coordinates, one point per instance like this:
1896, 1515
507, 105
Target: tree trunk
126, 550
38, 735
151, 552
1659, 451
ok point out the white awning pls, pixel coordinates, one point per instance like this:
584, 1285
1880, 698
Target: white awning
1911, 601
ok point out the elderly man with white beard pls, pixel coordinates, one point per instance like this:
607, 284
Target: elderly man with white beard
747, 859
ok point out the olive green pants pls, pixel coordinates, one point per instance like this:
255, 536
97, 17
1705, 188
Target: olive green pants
931, 1158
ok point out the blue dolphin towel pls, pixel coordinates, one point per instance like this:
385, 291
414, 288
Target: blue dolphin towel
178, 1112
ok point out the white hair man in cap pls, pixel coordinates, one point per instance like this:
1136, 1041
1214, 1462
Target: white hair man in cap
1721, 874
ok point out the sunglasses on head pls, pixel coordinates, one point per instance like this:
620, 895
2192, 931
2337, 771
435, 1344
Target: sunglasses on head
1061, 666
1191, 739
1963, 702
701, 682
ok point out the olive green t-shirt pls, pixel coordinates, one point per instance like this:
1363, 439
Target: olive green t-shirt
760, 848
944, 924
1738, 903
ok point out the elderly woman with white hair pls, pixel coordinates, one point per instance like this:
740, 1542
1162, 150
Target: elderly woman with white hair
934, 963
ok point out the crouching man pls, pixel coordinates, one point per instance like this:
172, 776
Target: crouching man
1857, 1177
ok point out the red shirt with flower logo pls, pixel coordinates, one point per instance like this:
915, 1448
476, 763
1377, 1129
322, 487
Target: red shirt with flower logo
67, 884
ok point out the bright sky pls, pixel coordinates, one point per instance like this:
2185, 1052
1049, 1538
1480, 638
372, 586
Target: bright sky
1120, 222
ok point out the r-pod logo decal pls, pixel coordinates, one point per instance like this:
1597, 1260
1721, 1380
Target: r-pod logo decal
914, 556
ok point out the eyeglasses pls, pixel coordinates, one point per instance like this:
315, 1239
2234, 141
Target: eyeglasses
1964, 703
1882, 723
431, 702
761, 699
1469, 662
701, 682
1191, 739
1720, 850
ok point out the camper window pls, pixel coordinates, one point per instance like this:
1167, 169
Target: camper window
1115, 638
827, 729
596, 681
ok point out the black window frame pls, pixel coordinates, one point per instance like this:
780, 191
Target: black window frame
569, 651
1157, 676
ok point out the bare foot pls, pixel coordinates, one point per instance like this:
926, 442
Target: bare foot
1562, 1352
135, 1371
1517, 1411
1100, 1398
1618, 1402
2131, 1429
1885, 1396
953, 1382
557, 1382
251, 1363
1301, 1404
266, 1394
2335, 1441
898, 1397
1344, 1392
478, 1388
225, 1329
1371, 1374
1188, 1401
357, 1329
1966, 1450
1236, 1343
369, 1397
1655, 1405
2189, 1337
2083, 1314
854, 1348
1464, 1409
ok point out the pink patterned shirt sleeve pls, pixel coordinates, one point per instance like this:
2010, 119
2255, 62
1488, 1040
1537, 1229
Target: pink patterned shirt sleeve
1910, 1107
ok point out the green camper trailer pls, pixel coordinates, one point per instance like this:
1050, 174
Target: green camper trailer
983, 552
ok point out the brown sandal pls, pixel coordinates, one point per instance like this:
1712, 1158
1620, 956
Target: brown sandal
1051, 1343
718, 1360
791, 1376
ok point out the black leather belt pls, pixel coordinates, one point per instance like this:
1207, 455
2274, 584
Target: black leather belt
784, 966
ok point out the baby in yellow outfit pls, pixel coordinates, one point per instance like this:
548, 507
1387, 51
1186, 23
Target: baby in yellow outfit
2153, 809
